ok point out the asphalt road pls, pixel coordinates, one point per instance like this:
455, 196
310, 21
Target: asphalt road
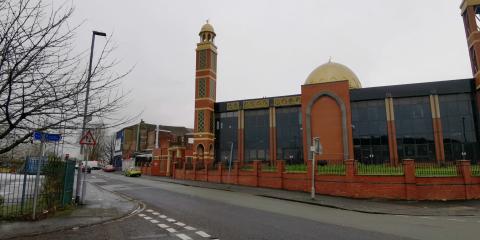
181, 212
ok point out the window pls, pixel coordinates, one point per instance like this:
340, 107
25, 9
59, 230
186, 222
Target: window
201, 121
202, 87
289, 135
226, 129
202, 59
458, 126
257, 132
370, 135
414, 127
212, 88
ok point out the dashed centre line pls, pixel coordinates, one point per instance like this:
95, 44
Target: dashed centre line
163, 225
183, 236
202, 234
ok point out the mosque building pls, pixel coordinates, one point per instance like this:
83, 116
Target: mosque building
428, 122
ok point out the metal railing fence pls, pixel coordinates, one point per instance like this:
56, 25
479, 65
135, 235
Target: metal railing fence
34, 187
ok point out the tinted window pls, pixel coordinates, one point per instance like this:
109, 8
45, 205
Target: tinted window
458, 126
370, 135
256, 135
414, 127
289, 135
226, 129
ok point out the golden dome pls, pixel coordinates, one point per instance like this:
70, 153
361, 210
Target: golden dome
207, 27
333, 72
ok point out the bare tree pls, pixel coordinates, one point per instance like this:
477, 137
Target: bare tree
42, 83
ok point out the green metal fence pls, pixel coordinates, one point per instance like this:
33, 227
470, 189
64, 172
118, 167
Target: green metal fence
476, 169
36, 186
447, 169
379, 169
296, 168
331, 167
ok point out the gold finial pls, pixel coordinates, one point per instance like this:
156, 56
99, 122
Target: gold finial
208, 20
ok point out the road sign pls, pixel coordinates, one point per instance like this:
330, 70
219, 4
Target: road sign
88, 139
48, 137
317, 146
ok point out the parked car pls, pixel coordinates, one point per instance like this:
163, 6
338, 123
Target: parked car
133, 172
108, 168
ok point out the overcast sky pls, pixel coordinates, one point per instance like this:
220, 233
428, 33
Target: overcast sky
268, 48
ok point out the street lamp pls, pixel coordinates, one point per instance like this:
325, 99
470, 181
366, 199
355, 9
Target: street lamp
84, 187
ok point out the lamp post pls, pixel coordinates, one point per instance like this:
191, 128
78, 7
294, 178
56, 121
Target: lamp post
85, 157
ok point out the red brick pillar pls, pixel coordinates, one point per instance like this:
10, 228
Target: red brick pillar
280, 169
465, 169
410, 179
256, 171
174, 170
184, 169
236, 170
220, 172
194, 170
206, 171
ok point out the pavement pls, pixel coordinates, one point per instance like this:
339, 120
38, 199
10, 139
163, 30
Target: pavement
371, 206
101, 206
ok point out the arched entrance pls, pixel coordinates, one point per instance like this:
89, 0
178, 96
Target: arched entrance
326, 118
200, 153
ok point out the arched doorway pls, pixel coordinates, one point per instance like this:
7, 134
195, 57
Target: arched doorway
326, 117
200, 153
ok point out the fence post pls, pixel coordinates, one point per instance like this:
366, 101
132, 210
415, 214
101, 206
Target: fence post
280, 169
24, 186
465, 169
256, 171
410, 179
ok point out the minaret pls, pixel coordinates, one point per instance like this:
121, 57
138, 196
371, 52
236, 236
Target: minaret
205, 92
471, 19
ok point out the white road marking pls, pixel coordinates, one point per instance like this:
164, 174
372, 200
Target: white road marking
155, 213
154, 221
190, 228
142, 215
163, 225
202, 234
456, 220
163, 216
147, 218
171, 220
183, 236
427, 218
172, 230
149, 210
180, 224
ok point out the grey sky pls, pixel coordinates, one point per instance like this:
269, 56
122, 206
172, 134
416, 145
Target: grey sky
268, 48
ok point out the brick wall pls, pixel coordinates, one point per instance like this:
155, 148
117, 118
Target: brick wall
407, 187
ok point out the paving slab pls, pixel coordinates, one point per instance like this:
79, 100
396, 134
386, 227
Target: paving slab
100, 206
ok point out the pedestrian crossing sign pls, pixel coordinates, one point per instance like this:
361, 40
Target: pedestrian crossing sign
88, 139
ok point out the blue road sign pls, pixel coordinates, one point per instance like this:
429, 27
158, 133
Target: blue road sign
49, 137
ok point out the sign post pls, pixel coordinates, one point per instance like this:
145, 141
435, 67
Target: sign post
89, 140
316, 148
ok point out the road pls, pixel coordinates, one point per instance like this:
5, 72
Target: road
175, 211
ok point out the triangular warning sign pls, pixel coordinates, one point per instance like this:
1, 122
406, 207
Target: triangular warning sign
88, 139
